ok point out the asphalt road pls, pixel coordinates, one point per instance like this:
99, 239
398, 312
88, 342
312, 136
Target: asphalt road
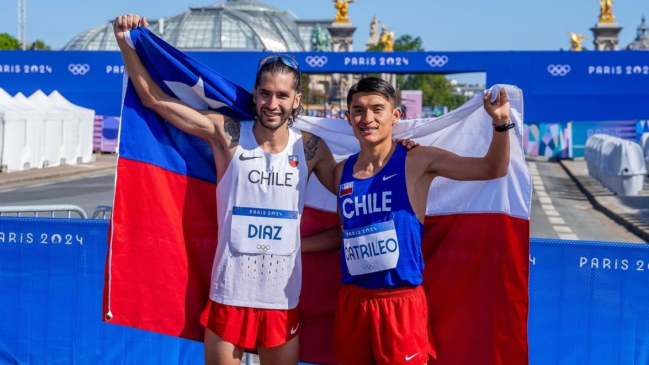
559, 209
87, 191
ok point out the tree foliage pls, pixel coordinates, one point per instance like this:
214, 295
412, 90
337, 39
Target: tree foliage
39, 45
404, 43
7, 42
436, 90
407, 43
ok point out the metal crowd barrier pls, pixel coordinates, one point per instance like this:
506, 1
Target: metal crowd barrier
53, 211
42, 211
103, 210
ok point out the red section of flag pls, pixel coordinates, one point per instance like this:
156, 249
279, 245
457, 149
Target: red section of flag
321, 279
160, 259
476, 280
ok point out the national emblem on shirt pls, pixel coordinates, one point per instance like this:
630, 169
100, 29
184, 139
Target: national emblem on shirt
293, 160
346, 189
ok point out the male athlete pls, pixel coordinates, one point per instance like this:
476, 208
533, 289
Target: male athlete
262, 170
381, 313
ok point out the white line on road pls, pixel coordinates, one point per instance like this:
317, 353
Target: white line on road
556, 220
551, 212
545, 200
568, 236
562, 229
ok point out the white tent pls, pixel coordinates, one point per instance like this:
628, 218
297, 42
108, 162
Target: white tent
35, 131
86, 124
13, 133
53, 132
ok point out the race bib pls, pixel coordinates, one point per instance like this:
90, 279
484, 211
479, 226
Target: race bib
371, 248
264, 231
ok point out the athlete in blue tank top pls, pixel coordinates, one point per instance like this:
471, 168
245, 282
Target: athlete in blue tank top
381, 313
390, 255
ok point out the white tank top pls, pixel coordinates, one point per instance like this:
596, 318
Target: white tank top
259, 206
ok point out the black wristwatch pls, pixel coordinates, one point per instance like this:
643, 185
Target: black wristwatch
504, 127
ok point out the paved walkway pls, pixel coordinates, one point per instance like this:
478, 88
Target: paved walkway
630, 211
101, 163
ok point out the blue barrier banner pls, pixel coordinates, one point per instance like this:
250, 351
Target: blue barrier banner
51, 282
589, 303
596, 86
582, 130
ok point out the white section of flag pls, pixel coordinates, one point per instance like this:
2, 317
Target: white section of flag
466, 131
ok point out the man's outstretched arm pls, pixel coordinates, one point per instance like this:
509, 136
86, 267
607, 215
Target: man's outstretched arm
493, 165
206, 124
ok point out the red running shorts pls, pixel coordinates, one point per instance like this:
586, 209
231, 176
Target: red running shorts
251, 327
384, 327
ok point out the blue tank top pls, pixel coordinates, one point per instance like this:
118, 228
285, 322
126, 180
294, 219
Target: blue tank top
372, 210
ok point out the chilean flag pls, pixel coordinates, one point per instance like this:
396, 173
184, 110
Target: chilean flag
346, 188
164, 229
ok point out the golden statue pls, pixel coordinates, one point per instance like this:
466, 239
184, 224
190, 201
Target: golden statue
342, 7
575, 41
606, 11
387, 39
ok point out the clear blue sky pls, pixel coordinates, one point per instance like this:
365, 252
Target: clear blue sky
443, 25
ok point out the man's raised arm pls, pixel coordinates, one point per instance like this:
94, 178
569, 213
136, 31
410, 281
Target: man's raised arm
492, 166
206, 124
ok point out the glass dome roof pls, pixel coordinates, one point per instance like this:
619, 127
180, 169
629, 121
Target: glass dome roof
231, 25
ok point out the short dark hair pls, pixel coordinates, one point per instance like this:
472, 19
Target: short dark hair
373, 85
276, 68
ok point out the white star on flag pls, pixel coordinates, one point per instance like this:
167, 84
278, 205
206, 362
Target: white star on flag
194, 95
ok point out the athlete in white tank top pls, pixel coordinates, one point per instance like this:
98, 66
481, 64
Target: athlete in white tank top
259, 205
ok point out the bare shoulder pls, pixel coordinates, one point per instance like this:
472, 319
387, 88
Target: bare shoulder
424, 153
421, 158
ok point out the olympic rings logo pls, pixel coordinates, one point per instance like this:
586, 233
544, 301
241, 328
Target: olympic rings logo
316, 61
368, 266
436, 61
79, 69
263, 248
558, 70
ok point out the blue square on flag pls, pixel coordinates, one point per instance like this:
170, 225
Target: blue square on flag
346, 188
293, 160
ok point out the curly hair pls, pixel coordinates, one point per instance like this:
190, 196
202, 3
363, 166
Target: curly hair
276, 68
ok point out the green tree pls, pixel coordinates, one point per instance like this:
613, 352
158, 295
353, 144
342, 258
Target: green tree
39, 45
403, 43
407, 43
7, 42
436, 90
